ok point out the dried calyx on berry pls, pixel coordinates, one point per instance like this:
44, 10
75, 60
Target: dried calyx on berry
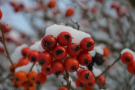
90, 66
98, 59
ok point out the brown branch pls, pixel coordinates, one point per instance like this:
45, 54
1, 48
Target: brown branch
32, 66
110, 66
4, 44
76, 23
9, 75
66, 78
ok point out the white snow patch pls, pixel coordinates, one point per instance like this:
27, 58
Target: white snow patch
99, 50
96, 71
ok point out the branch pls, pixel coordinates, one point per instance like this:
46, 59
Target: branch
32, 66
76, 23
66, 78
110, 66
4, 44
1, 81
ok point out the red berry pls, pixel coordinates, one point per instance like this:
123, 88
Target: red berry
52, 4
79, 71
33, 55
46, 70
85, 76
63, 88
101, 80
31, 76
25, 51
0, 14
106, 52
48, 42
59, 52
78, 83
91, 83
73, 49
88, 87
57, 68
45, 58
40, 78
84, 58
70, 12
131, 68
64, 38
127, 57
71, 64
23, 61
87, 44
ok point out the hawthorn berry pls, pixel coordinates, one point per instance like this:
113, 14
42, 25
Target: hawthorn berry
85, 76
11, 69
31, 76
71, 64
79, 83
45, 58
17, 85
33, 55
20, 77
48, 42
59, 52
29, 86
46, 70
91, 83
57, 68
64, 38
23, 61
73, 49
126, 57
88, 87
131, 68
40, 78
101, 80
87, 44
0, 14
84, 58
25, 51
70, 12
63, 88
5, 28
52, 4
79, 71
106, 52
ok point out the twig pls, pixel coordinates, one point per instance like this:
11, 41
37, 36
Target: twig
76, 23
4, 44
1, 81
32, 66
66, 77
109, 66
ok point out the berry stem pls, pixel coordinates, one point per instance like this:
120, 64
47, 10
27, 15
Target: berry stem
76, 23
109, 66
66, 78
32, 66
4, 44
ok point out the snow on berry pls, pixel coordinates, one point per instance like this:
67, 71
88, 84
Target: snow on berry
16, 55
77, 36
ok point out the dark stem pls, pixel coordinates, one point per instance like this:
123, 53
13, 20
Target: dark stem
4, 44
76, 23
32, 66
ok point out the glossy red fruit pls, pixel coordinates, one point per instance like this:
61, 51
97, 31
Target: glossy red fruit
57, 68
88, 87
79, 83
25, 51
0, 14
48, 42
5, 28
91, 83
45, 58
79, 71
59, 52
127, 58
131, 68
46, 70
84, 58
101, 80
11, 69
71, 64
63, 88
87, 44
70, 12
31, 76
52, 4
20, 77
23, 61
73, 49
33, 55
40, 78
64, 38
29, 86
106, 52
85, 76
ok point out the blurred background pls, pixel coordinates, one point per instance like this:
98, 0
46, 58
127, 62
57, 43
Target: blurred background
110, 23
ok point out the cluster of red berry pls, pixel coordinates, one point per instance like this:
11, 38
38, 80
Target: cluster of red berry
127, 58
0, 14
